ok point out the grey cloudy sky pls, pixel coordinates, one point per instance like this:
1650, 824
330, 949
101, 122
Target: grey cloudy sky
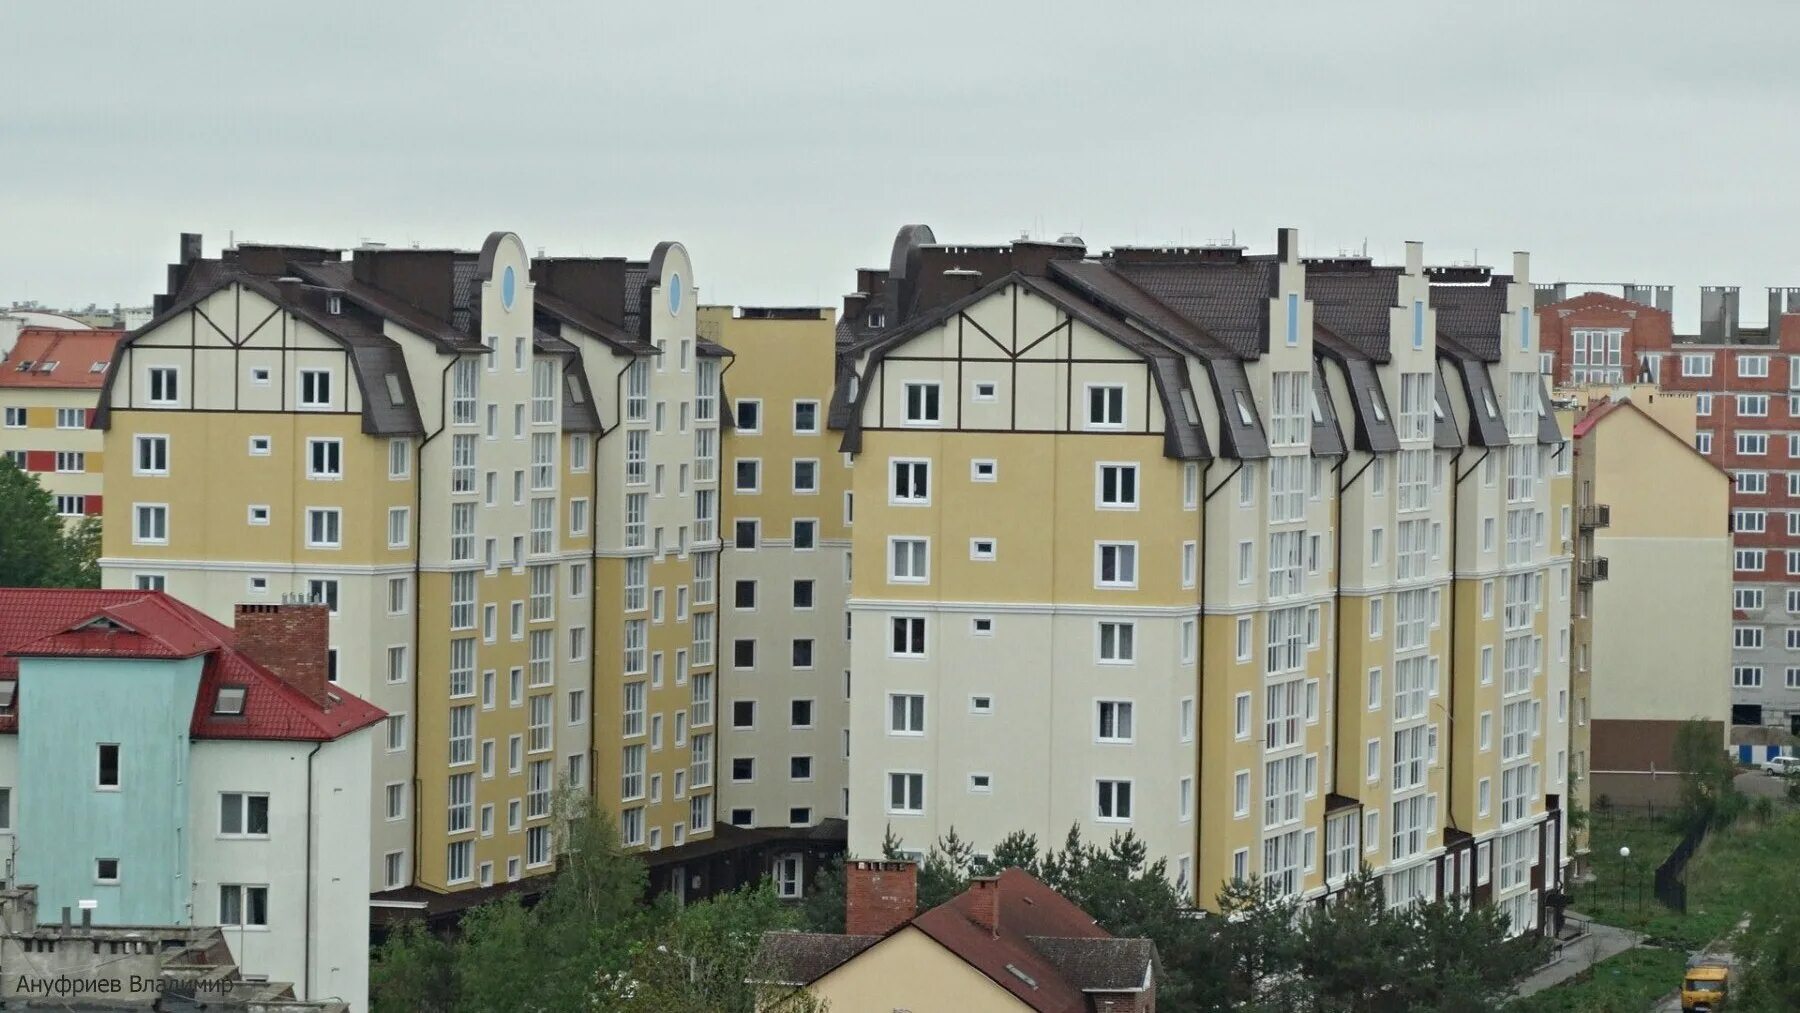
785, 142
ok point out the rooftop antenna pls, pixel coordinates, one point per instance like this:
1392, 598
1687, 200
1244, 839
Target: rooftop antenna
1365, 252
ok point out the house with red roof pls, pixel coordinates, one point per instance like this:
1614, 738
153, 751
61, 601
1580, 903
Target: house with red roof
50, 381
1007, 943
158, 767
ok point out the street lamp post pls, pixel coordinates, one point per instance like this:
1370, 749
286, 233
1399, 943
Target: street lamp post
1625, 858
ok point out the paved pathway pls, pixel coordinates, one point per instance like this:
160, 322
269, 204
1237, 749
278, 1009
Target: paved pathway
1602, 941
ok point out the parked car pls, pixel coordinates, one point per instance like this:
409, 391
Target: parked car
1781, 766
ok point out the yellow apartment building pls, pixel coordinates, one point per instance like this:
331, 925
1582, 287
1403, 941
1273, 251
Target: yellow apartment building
50, 379
492, 469
1254, 556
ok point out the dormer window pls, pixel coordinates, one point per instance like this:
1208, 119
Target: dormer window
8, 690
396, 396
230, 701
877, 320
1245, 415
334, 304
1487, 401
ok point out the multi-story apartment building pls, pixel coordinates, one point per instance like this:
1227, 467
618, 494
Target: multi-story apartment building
50, 381
786, 574
499, 476
172, 771
1745, 385
1654, 521
1143, 546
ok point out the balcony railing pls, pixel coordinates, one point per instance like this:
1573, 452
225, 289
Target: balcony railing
1593, 570
1596, 515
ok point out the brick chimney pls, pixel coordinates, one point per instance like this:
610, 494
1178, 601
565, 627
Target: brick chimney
984, 903
290, 640
879, 896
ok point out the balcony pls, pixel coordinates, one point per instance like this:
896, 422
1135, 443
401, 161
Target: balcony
1592, 570
1596, 515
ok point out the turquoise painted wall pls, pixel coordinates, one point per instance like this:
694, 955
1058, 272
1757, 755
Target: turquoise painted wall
67, 707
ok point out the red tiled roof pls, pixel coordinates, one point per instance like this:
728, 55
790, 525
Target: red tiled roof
1595, 414
74, 352
1026, 908
83, 623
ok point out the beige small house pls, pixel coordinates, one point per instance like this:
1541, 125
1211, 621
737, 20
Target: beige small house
1007, 943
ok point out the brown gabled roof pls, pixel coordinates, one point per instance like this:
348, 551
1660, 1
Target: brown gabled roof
1027, 908
1045, 951
801, 958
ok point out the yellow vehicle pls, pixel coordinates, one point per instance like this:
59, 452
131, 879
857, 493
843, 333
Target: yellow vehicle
1706, 984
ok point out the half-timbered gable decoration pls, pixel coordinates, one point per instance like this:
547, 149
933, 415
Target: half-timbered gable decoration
1315, 607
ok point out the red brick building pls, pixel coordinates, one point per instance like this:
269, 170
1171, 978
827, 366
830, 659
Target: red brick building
1745, 382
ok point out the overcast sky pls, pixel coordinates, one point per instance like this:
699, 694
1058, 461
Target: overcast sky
785, 142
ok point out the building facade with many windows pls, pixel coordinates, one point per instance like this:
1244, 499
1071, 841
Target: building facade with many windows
1251, 555
788, 512
486, 467
50, 380
1744, 383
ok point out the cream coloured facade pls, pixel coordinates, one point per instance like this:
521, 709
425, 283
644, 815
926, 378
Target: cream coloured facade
435, 443
1253, 556
788, 510
1656, 517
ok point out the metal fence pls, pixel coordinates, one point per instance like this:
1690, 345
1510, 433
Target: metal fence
1671, 875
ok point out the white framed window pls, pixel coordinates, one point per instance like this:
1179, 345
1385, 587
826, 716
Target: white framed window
150, 524
1113, 801
1241, 717
1105, 406
906, 637
984, 390
906, 793
1113, 721
1115, 564
164, 385
906, 714
984, 470
909, 560
911, 482
922, 403
151, 456
1116, 642
315, 388
1116, 486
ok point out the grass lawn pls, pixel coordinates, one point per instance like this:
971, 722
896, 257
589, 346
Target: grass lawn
1627, 983
1723, 880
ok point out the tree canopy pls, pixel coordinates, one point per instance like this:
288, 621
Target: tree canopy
1259, 952
37, 548
591, 943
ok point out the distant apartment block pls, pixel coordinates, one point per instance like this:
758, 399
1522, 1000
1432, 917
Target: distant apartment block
1264, 559
170, 770
50, 382
1745, 386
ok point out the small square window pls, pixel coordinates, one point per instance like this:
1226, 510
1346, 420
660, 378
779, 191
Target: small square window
984, 471
982, 626
981, 549
106, 870
986, 390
